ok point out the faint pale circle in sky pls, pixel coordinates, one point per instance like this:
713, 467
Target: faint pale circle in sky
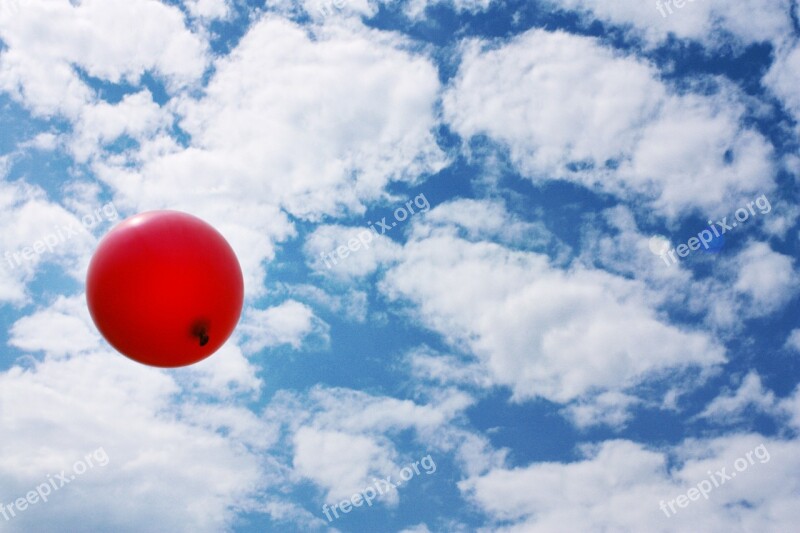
659, 244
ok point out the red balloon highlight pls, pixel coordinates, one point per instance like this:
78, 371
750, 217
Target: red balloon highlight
165, 289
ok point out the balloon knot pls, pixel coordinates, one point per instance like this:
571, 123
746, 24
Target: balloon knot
199, 331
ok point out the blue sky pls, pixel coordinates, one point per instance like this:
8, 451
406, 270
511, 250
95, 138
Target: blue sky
544, 344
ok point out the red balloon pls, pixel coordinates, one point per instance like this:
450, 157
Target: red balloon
165, 289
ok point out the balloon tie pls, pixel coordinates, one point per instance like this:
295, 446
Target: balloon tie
200, 333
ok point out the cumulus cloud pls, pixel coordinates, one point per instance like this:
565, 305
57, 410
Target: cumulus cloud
767, 278
60, 329
227, 374
415, 9
332, 11
351, 304
358, 459
428, 365
478, 220
793, 341
790, 407
729, 407
619, 485
419, 528
710, 23
99, 124
756, 282
289, 124
358, 124
295, 127
356, 431
288, 323
538, 329
569, 108
97, 37
101, 399
39, 231
345, 252
612, 409
778, 79
209, 9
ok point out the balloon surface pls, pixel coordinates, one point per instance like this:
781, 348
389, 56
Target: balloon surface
165, 288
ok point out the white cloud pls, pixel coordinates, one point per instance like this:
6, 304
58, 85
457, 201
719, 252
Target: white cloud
237, 422
358, 412
540, 330
478, 220
328, 11
766, 278
351, 304
286, 511
622, 248
62, 328
782, 219
332, 11
65, 328
317, 122
288, 323
569, 108
793, 341
419, 528
340, 463
357, 431
136, 116
782, 76
43, 141
425, 364
37, 231
328, 251
610, 408
178, 426
711, 23
224, 375
415, 9
790, 406
47, 39
208, 9
728, 408
295, 121
104, 400
619, 485
348, 112
756, 282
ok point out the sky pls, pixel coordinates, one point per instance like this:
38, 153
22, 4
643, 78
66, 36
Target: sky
509, 266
